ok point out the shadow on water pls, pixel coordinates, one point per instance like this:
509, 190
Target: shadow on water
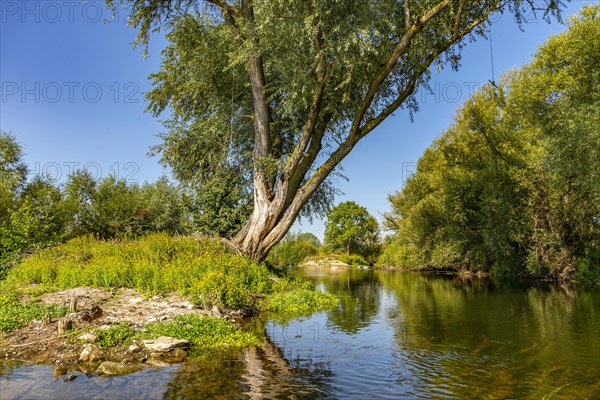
394, 335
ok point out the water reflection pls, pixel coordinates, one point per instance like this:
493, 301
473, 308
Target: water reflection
394, 335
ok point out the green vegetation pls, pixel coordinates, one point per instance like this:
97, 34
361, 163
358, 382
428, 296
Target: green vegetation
297, 298
114, 335
14, 314
200, 268
38, 213
293, 249
277, 94
513, 187
352, 230
204, 332
353, 259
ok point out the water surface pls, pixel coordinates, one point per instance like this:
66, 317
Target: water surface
394, 335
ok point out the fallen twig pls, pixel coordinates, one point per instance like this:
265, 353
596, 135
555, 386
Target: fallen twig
37, 341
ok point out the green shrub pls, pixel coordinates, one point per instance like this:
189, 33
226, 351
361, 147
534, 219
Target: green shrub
300, 302
294, 298
588, 269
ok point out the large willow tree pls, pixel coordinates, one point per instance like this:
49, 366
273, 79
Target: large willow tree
281, 91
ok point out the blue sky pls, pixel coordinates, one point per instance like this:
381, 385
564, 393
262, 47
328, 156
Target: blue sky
72, 92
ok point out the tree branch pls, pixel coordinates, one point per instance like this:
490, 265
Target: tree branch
224, 6
407, 14
461, 4
374, 122
401, 47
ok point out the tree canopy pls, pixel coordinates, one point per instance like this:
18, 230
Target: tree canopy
279, 93
351, 229
514, 185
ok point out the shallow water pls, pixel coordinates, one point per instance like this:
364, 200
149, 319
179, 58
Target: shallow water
394, 335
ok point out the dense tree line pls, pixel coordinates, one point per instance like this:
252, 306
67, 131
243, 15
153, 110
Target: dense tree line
513, 186
36, 212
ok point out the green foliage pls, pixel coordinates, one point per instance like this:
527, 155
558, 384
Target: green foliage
353, 259
294, 298
513, 186
200, 268
114, 335
14, 314
293, 249
278, 93
13, 174
204, 332
351, 229
39, 213
37, 219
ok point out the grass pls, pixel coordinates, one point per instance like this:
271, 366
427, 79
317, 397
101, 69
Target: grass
203, 332
201, 269
114, 335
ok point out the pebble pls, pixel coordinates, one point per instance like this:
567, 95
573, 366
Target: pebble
88, 337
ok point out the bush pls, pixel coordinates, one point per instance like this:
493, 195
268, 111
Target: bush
293, 249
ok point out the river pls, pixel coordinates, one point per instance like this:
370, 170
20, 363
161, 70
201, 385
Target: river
395, 335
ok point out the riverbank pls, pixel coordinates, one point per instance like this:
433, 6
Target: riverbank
88, 302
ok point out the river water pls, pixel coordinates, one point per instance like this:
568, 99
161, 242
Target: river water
395, 335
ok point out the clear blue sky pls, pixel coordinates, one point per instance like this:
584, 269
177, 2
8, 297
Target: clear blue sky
72, 92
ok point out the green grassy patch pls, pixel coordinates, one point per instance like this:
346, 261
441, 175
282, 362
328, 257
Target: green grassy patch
294, 298
114, 335
203, 332
201, 269
14, 314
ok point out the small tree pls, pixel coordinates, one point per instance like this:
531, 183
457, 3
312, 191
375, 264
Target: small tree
351, 229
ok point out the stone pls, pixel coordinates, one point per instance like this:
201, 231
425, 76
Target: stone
60, 370
134, 348
175, 356
157, 363
88, 337
114, 368
164, 344
215, 311
90, 353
